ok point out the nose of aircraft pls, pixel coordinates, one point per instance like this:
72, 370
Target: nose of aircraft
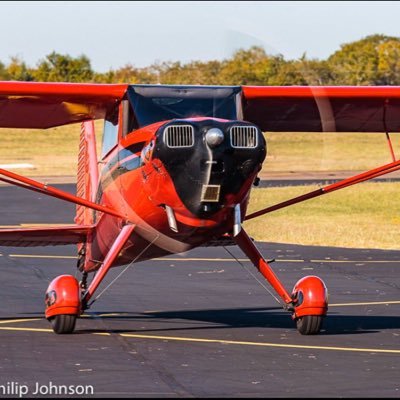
209, 161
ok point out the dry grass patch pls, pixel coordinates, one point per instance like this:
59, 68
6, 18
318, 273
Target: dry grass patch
327, 151
53, 152
363, 216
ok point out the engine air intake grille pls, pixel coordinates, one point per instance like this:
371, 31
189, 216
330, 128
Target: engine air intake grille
179, 136
243, 137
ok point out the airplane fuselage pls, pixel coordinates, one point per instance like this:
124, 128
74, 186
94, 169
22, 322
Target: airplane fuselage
178, 181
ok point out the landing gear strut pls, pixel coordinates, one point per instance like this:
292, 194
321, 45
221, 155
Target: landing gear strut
309, 300
66, 298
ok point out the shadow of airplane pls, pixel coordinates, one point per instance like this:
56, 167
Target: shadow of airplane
206, 319
273, 317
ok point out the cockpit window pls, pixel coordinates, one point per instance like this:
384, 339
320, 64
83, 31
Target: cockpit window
154, 103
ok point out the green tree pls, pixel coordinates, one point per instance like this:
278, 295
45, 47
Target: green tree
373, 60
251, 67
389, 63
192, 73
64, 68
104, 77
311, 72
357, 63
129, 74
18, 71
4, 75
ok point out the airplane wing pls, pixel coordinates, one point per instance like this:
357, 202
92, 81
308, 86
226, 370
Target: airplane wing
46, 105
323, 108
49, 236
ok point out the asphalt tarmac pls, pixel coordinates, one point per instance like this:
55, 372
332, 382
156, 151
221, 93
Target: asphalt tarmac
197, 324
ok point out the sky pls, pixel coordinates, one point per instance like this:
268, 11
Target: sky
115, 33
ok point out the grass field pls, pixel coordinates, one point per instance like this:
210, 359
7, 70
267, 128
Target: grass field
52, 152
365, 216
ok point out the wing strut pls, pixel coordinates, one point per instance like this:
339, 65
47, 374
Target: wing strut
390, 146
36, 186
365, 176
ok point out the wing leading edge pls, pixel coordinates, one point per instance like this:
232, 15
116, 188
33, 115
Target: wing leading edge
46, 105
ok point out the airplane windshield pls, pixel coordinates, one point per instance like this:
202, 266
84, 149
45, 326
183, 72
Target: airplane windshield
154, 103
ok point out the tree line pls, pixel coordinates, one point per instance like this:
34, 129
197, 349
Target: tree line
373, 60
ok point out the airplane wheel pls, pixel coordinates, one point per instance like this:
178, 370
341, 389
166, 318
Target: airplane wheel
309, 324
63, 324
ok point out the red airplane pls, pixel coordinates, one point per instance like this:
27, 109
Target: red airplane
177, 167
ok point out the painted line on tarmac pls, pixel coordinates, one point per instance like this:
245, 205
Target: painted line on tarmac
39, 225
372, 303
13, 328
222, 341
182, 259
220, 259
154, 259
40, 256
13, 321
261, 344
357, 261
35, 226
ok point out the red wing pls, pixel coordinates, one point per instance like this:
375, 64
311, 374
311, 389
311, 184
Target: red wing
30, 237
323, 108
45, 105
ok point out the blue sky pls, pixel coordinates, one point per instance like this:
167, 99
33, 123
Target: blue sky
115, 33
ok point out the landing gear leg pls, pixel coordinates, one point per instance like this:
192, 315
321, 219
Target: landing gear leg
83, 282
107, 264
308, 302
66, 298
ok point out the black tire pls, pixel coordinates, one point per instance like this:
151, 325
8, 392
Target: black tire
309, 324
63, 324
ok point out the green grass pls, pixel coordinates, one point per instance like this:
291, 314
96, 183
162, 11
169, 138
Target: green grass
365, 216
